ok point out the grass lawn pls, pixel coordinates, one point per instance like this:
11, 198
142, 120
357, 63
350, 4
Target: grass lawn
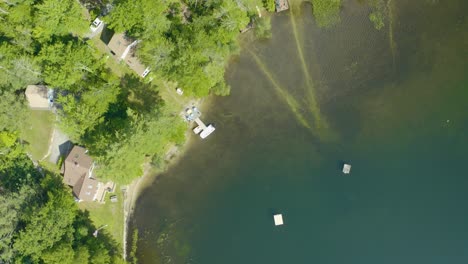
37, 131
110, 214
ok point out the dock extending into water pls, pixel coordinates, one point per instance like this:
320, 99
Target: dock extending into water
193, 114
281, 5
204, 130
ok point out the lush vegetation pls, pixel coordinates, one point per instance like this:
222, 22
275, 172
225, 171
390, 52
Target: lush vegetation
40, 221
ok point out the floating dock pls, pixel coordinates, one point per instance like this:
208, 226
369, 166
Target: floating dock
346, 169
193, 114
278, 219
281, 5
205, 130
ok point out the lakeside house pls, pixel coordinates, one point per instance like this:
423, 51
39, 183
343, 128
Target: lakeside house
39, 97
123, 48
78, 174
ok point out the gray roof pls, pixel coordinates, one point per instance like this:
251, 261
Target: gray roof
76, 174
124, 49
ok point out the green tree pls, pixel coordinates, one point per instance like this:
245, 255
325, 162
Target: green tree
17, 69
17, 22
81, 255
66, 64
59, 253
81, 115
12, 109
60, 18
148, 137
12, 207
50, 224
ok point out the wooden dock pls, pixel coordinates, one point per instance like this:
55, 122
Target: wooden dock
281, 5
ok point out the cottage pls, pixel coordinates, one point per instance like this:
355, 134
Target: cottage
78, 174
38, 97
123, 48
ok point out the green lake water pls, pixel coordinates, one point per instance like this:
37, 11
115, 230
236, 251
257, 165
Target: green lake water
394, 104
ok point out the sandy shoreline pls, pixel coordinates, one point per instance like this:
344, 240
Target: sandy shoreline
134, 189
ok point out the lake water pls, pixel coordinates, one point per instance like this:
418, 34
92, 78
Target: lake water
393, 103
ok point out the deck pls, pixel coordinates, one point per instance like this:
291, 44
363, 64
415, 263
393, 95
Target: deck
281, 5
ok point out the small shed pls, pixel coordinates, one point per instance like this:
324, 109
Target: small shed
278, 219
37, 97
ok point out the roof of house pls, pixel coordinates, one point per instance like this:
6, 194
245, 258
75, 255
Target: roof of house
37, 96
77, 166
85, 189
119, 43
123, 48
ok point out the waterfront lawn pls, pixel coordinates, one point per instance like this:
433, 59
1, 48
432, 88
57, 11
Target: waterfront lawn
37, 131
110, 214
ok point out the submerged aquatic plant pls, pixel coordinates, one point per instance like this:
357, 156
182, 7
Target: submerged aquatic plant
283, 93
391, 39
378, 19
263, 27
383, 11
379, 13
310, 92
326, 12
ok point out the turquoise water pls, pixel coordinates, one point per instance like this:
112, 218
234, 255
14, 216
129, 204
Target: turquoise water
402, 123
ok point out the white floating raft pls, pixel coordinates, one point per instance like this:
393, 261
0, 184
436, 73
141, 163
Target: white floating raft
278, 219
346, 169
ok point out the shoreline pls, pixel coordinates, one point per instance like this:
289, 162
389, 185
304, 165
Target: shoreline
133, 190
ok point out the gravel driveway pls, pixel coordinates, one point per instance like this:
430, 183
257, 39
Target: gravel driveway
60, 145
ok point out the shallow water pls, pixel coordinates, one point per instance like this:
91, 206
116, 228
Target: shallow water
402, 124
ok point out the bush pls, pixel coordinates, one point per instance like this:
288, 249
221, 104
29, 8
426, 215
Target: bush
60, 162
269, 5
